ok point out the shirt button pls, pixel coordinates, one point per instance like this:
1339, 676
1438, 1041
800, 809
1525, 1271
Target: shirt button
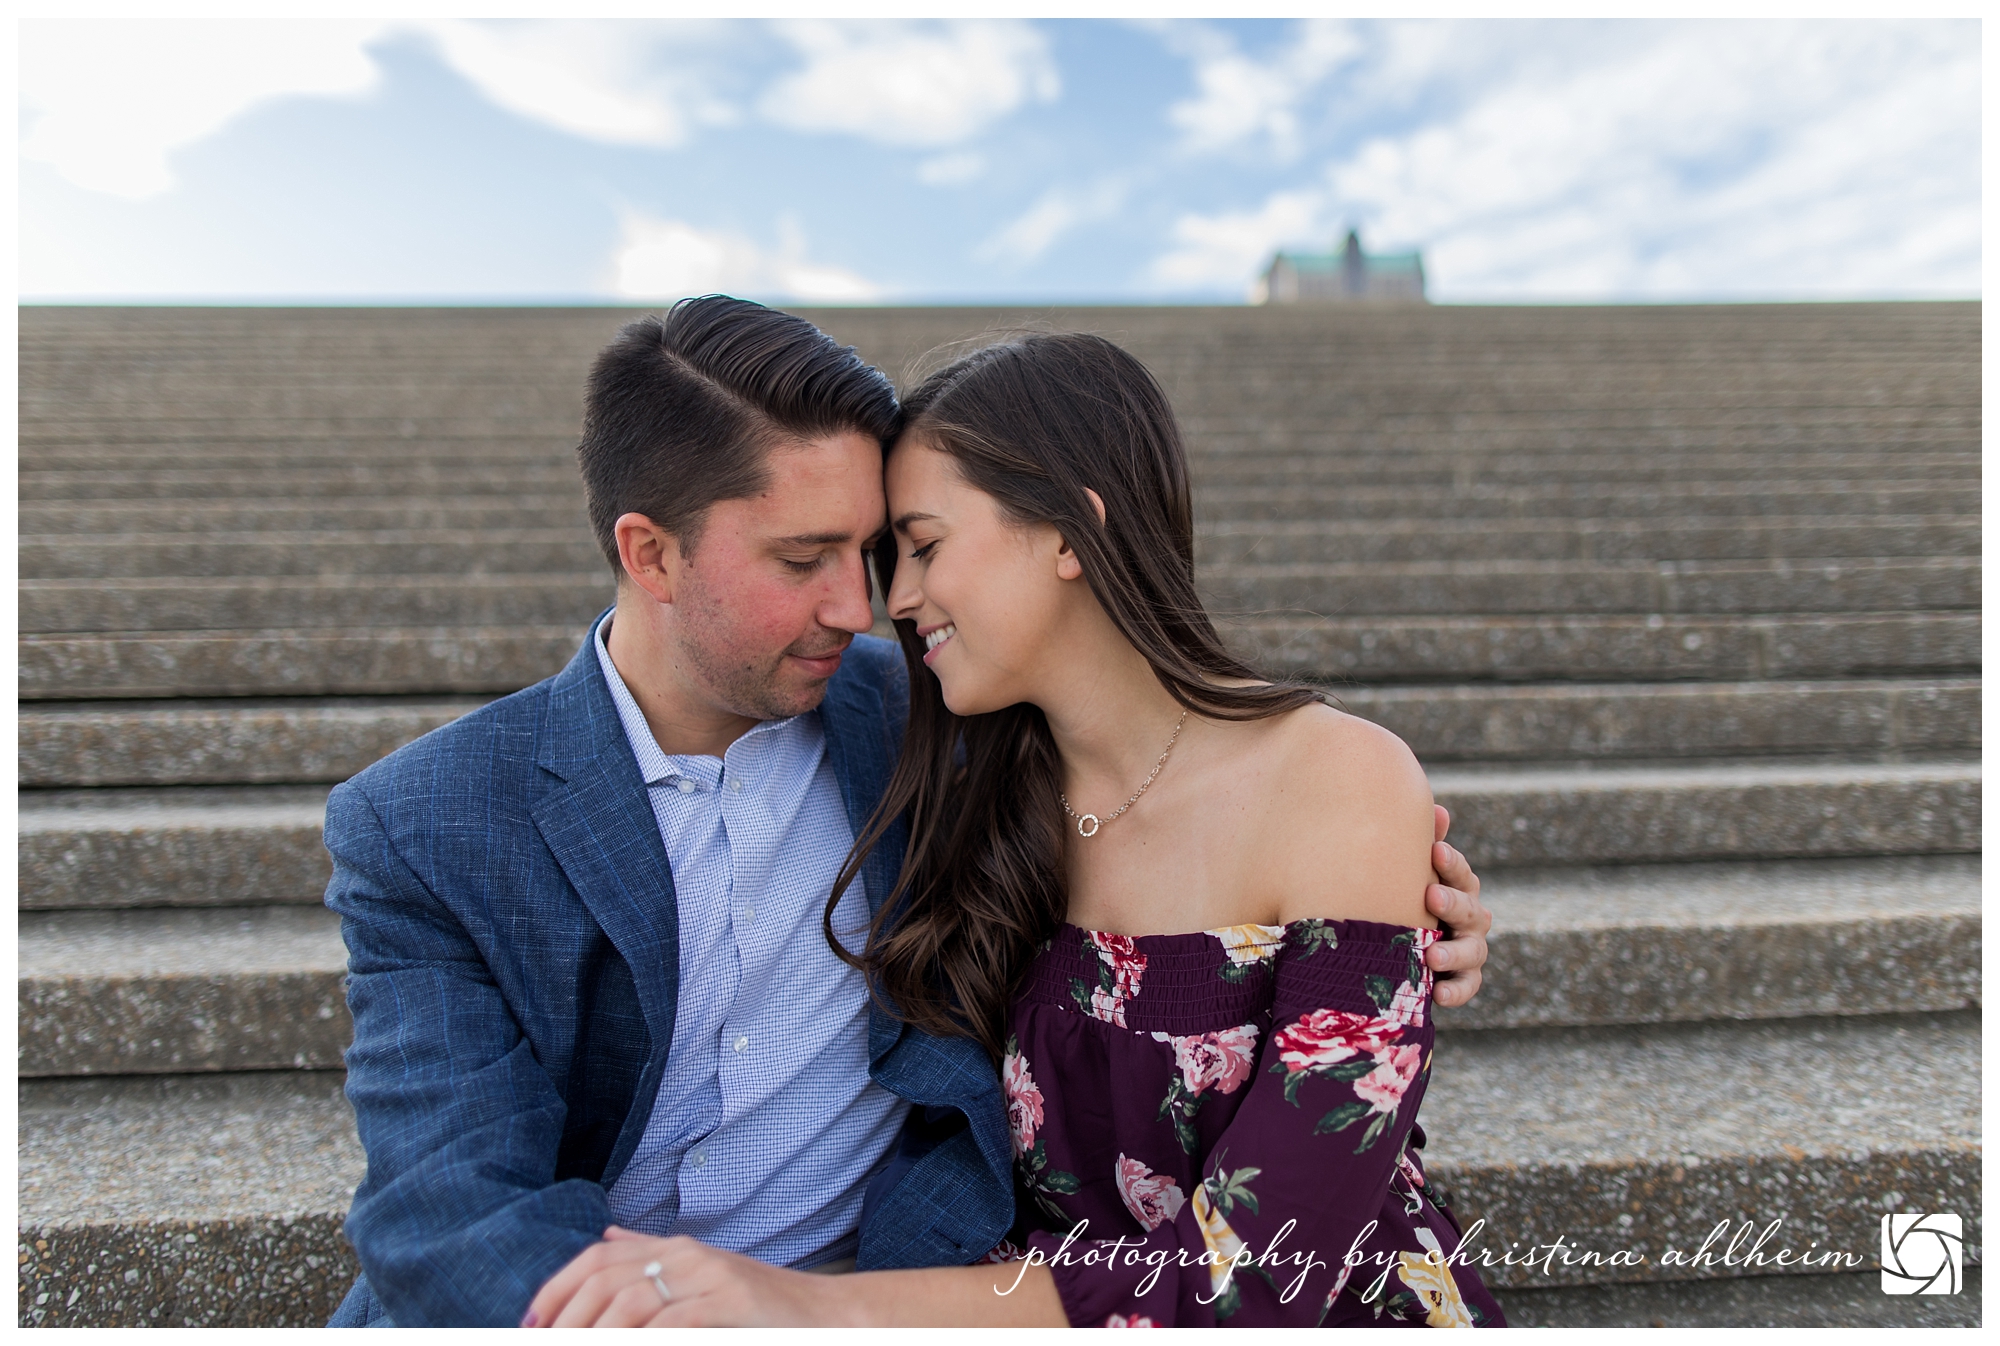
736, 787
700, 1158
686, 787
742, 1044
749, 914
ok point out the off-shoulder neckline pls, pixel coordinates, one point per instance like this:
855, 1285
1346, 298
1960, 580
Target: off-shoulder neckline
1278, 932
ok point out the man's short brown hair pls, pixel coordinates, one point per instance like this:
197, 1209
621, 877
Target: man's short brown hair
684, 408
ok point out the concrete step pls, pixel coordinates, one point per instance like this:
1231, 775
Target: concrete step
401, 552
381, 661
1450, 466
1675, 719
226, 846
453, 660
1393, 589
488, 514
448, 550
1320, 542
217, 743
1648, 1138
1620, 813
1843, 1299
1686, 500
198, 1201
1409, 588
224, 743
1598, 648
1611, 1138
215, 847
1768, 939
222, 603
323, 480
161, 991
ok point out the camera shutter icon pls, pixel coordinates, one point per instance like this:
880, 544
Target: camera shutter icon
1923, 1254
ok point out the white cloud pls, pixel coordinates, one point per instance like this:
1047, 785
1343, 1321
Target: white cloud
106, 103
1055, 213
910, 84
1753, 159
618, 82
1225, 251
1239, 98
671, 259
949, 170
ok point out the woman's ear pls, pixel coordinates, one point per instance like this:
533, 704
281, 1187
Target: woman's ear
1068, 567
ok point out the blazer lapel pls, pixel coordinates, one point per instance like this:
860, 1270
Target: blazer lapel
600, 825
858, 743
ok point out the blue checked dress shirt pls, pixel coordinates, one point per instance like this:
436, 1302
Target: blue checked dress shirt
766, 1127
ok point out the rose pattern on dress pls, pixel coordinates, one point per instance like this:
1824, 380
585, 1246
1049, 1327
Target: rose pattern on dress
1153, 1198
1404, 1004
1248, 947
1431, 1292
1326, 1037
1395, 1069
1216, 1198
1024, 1100
1031, 1155
1362, 1066
1120, 966
1221, 1061
1411, 1184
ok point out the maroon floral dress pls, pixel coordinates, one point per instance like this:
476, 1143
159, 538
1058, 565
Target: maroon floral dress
1220, 1128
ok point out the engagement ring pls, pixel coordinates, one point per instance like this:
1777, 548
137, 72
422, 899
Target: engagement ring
651, 1271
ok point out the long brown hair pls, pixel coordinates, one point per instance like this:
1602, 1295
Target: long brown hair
1032, 422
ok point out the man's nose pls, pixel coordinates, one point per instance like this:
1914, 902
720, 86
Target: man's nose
847, 607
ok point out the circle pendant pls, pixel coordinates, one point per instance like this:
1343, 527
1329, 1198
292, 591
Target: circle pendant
1087, 825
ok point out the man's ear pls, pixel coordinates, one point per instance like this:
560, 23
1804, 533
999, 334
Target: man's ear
650, 555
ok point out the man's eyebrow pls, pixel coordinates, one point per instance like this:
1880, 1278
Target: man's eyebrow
903, 522
812, 540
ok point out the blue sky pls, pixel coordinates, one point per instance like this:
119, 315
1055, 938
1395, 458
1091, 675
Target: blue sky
1001, 160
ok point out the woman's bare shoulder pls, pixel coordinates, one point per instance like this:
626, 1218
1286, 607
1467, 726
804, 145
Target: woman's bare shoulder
1351, 826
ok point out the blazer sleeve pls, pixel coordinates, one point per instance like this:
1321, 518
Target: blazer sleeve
460, 1219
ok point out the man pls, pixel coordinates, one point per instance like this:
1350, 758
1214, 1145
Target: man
587, 974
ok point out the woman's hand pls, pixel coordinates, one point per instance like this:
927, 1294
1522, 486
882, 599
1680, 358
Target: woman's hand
607, 1286
1454, 900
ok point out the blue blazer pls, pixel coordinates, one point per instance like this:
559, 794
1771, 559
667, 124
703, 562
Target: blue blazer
513, 969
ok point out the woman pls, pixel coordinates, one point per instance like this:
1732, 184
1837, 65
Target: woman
1181, 907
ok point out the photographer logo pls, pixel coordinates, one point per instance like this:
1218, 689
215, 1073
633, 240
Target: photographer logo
1922, 1254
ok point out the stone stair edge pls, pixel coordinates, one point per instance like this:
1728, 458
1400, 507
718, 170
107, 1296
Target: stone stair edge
72, 744
1684, 1178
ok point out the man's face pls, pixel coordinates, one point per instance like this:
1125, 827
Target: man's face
777, 585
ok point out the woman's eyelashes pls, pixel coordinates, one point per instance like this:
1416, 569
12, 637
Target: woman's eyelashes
923, 553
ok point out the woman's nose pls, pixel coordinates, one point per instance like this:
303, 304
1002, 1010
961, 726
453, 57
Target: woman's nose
905, 594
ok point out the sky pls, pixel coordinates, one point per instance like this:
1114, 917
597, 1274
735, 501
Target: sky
1004, 160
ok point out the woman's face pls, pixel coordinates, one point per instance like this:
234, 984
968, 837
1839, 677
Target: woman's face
989, 597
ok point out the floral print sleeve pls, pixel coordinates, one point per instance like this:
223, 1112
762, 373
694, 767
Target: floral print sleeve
1220, 1129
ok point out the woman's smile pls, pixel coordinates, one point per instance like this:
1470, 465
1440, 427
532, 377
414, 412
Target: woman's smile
935, 638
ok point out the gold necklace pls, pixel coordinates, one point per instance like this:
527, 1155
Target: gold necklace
1087, 824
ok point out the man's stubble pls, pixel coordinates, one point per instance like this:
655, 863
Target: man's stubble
747, 680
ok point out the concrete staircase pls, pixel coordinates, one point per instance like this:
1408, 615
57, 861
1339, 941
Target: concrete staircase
1678, 605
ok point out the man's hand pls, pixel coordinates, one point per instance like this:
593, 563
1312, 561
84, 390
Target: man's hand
606, 1285
1454, 900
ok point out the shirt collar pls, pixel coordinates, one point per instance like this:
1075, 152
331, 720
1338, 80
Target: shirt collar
657, 767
